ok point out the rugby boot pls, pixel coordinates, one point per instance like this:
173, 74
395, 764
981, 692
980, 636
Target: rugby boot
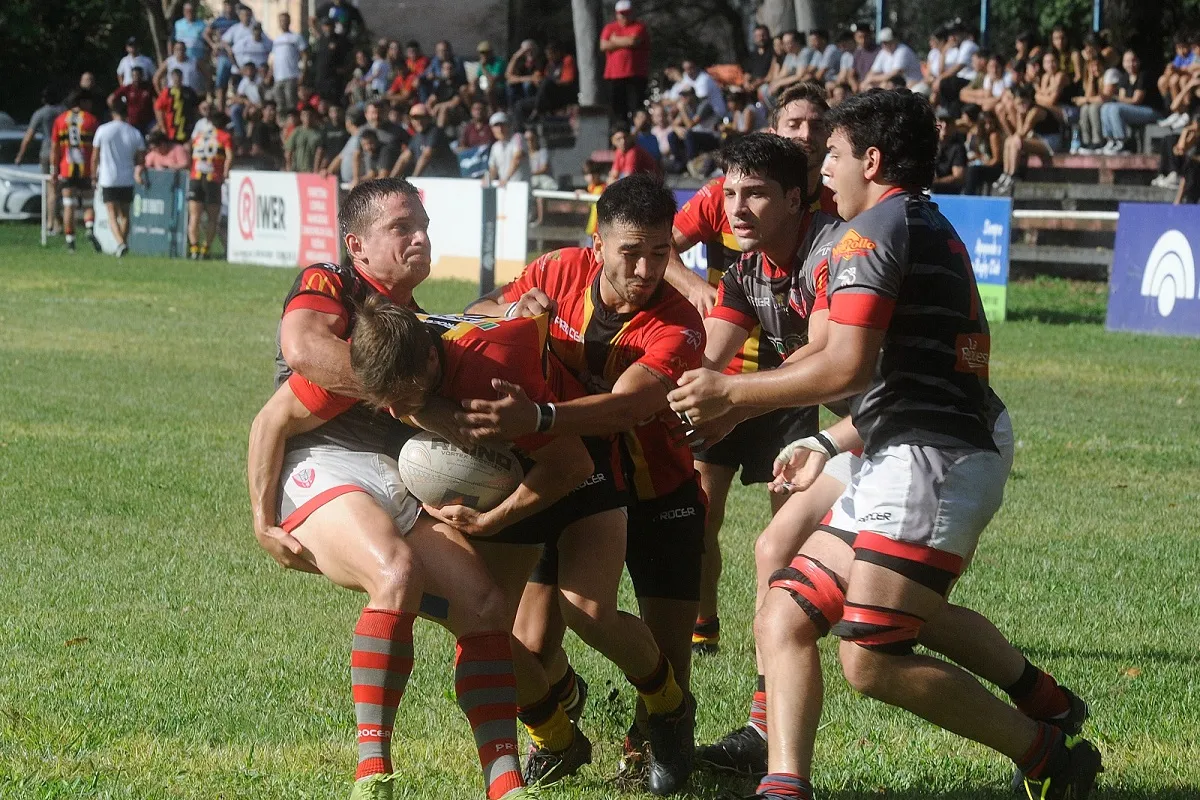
373, 787
91, 236
544, 767
635, 757
672, 748
575, 710
1074, 779
1070, 723
743, 750
706, 636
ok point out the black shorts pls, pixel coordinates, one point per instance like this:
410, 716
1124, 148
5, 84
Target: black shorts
117, 194
204, 191
753, 444
664, 549
77, 185
604, 490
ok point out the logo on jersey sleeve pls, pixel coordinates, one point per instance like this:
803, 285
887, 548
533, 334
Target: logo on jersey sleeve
694, 338
974, 353
318, 282
852, 244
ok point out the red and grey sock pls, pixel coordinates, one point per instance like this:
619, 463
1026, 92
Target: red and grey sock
785, 786
380, 664
487, 694
758, 708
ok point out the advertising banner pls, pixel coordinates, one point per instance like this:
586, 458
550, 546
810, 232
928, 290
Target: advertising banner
158, 218
282, 219
695, 259
984, 224
456, 227
1152, 286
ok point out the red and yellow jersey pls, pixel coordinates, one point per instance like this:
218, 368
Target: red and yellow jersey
598, 345
74, 131
208, 153
176, 104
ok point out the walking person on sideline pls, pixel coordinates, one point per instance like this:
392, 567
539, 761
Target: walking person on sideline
118, 150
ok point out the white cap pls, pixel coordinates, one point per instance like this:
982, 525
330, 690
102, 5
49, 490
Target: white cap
499, 118
624, 6
885, 36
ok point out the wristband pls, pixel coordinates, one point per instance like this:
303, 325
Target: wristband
826, 441
546, 412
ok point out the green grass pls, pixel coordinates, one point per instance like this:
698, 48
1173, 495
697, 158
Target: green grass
148, 649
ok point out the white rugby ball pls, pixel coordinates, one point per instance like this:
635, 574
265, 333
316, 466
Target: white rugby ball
440, 473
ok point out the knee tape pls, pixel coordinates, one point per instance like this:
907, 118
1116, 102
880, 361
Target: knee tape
814, 588
69, 201
885, 630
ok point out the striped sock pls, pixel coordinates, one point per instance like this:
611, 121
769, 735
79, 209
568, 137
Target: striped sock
658, 690
1045, 753
758, 708
380, 664
566, 689
1038, 695
707, 630
549, 726
785, 785
487, 694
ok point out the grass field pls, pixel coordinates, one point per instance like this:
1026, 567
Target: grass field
149, 649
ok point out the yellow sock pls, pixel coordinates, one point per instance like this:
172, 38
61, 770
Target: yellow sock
658, 690
555, 733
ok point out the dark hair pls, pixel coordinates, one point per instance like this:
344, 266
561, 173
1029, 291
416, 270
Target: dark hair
49, 95
270, 103
412, 43
389, 351
845, 36
795, 34
118, 105
983, 53
1025, 92
900, 125
811, 91
769, 156
1094, 40
78, 98
641, 200
1026, 38
362, 203
156, 138
820, 33
369, 135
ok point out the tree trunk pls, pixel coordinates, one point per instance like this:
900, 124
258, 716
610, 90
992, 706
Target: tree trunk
585, 16
809, 14
159, 14
778, 15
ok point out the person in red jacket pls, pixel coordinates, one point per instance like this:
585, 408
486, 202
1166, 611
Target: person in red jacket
629, 157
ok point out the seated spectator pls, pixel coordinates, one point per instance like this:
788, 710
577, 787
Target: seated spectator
826, 60
895, 60
368, 159
1180, 81
950, 165
342, 164
935, 59
523, 73
1026, 47
744, 115
1070, 62
414, 60
162, 153
508, 159
643, 133
138, 96
629, 157
540, 176
1039, 133
865, 51
957, 71
1088, 100
476, 132
757, 64
1125, 104
490, 64
559, 86
406, 86
988, 87
443, 98
357, 92
428, 152
1188, 150
443, 53
791, 69
845, 72
706, 87
660, 129
985, 149
694, 128
1051, 91
303, 151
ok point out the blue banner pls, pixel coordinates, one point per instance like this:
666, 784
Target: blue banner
1152, 286
984, 224
695, 259
158, 219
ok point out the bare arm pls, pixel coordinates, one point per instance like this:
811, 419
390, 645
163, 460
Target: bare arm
25, 140
699, 292
312, 348
723, 341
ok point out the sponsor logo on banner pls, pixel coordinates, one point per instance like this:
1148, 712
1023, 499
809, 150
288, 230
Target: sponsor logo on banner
1152, 285
282, 219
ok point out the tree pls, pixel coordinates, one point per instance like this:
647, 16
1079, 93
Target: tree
159, 15
585, 16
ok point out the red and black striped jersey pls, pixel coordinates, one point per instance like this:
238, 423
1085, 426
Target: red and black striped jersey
598, 345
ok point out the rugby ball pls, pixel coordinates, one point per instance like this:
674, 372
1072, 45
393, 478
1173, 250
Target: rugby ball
440, 473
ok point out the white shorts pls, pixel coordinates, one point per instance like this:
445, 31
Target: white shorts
842, 467
312, 476
924, 506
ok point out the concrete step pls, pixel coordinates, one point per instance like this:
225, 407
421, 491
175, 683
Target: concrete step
1109, 193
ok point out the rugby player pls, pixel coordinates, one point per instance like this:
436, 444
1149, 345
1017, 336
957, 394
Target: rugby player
342, 510
797, 116
627, 336
910, 345
212, 159
71, 156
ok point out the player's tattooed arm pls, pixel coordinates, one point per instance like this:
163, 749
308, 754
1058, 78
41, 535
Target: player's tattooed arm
282, 417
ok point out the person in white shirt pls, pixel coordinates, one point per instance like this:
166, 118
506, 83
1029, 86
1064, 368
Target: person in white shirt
132, 59
118, 150
255, 48
956, 70
247, 99
179, 60
508, 159
826, 57
288, 52
705, 86
895, 60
